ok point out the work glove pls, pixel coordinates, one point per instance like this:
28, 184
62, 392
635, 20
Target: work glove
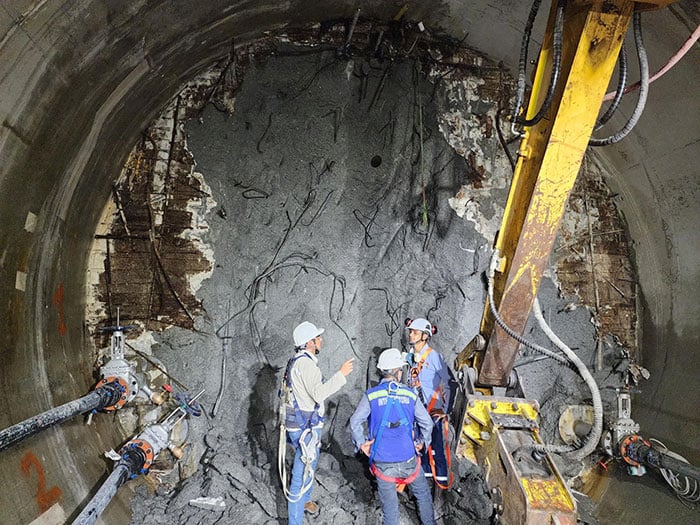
409, 358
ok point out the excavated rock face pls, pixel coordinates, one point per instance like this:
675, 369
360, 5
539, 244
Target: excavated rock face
307, 184
82, 85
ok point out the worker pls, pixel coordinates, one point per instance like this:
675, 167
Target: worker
390, 411
304, 394
429, 377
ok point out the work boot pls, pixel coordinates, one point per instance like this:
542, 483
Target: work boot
311, 507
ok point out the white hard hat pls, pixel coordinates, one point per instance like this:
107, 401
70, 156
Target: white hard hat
305, 332
422, 325
390, 359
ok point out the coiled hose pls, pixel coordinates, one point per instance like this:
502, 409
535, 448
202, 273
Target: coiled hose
685, 487
571, 360
643, 89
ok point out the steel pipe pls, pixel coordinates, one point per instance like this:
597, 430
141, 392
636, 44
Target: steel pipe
100, 398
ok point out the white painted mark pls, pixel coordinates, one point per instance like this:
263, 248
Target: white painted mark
21, 281
30, 222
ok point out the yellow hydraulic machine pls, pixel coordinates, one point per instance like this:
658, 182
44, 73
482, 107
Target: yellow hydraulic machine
527, 488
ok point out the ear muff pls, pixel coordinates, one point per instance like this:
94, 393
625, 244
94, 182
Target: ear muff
434, 329
407, 321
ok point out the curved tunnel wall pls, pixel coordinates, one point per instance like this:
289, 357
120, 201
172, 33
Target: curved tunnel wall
80, 81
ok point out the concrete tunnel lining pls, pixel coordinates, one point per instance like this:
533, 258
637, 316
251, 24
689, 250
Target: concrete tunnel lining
60, 242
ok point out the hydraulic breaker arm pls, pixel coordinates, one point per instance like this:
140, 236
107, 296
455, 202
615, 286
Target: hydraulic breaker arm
549, 159
578, 55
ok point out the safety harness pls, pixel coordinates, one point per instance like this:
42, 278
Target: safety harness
391, 393
297, 419
439, 419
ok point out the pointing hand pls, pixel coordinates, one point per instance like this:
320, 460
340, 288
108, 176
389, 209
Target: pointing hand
346, 367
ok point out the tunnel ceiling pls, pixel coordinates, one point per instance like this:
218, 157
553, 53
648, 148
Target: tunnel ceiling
80, 82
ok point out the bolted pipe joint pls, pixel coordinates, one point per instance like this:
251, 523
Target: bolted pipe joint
133, 458
110, 394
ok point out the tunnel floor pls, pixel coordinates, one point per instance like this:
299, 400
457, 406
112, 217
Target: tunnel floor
350, 192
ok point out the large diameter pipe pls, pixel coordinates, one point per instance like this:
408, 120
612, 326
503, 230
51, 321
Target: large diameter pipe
97, 399
128, 467
104, 495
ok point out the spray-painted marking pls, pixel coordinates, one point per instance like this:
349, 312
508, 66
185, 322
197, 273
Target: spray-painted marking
45, 498
21, 281
58, 302
30, 222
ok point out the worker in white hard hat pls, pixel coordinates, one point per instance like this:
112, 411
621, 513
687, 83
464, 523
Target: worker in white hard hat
304, 392
390, 410
429, 376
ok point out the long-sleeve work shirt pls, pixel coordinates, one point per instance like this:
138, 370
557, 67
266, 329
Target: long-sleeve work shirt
308, 386
434, 376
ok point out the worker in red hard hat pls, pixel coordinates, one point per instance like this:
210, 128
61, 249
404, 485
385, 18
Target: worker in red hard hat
303, 394
390, 410
429, 376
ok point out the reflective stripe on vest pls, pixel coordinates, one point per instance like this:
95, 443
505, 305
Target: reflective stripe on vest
391, 422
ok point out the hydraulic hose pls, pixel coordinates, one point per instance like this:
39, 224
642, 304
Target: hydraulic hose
556, 69
522, 62
621, 82
594, 436
643, 90
575, 452
554, 75
687, 46
507, 329
101, 397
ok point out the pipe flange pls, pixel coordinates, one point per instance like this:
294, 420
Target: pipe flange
624, 448
124, 387
148, 452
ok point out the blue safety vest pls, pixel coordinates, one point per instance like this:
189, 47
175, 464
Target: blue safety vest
392, 409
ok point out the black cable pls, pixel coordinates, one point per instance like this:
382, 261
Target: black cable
556, 68
643, 89
503, 142
522, 62
621, 83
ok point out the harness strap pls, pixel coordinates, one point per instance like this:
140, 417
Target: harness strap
415, 376
399, 481
448, 457
436, 395
304, 423
308, 443
391, 402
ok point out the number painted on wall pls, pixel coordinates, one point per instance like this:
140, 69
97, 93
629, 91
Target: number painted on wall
44, 498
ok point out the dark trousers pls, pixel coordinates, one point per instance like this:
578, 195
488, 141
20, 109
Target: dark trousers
437, 452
